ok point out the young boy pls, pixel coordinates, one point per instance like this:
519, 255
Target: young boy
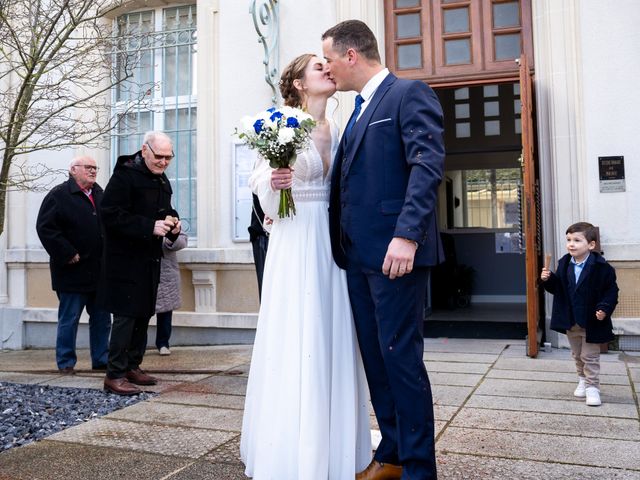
585, 294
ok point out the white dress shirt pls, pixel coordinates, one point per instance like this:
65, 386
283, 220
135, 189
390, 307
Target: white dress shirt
370, 88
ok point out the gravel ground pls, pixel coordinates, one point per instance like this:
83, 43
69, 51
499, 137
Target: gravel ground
32, 412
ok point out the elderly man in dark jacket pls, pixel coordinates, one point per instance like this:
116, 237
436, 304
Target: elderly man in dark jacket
69, 228
137, 214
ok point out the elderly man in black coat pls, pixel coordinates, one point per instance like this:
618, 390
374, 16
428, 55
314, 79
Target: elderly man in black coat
68, 225
137, 214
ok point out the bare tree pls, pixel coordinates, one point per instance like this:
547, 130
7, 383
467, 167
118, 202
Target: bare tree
59, 62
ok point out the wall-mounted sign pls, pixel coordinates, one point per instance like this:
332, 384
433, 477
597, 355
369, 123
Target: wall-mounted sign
611, 174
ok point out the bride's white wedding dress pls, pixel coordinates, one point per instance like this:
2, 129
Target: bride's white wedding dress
306, 410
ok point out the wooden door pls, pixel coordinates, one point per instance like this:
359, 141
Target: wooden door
530, 214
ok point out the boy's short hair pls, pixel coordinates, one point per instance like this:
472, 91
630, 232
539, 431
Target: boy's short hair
354, 34
589, 231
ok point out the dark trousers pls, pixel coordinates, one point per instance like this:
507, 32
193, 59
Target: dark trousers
388, 316
163, 329
260, 244
126, 348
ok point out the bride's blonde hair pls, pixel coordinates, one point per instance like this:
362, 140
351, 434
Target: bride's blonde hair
291, 96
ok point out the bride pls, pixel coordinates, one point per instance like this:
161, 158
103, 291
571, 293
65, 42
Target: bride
306, 410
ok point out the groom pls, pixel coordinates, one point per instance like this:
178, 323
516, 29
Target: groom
384, 234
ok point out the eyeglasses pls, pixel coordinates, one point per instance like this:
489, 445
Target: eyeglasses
166, 158
91, 168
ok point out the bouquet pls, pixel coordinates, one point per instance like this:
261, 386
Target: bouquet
278, 134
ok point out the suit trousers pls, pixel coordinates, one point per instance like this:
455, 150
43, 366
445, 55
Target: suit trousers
388, 316
586, 355
127, 345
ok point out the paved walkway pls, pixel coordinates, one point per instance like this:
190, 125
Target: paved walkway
500, 415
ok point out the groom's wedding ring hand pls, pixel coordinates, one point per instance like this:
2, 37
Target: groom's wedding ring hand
399, 258
281, 178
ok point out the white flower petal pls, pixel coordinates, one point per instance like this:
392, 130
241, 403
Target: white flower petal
286, 135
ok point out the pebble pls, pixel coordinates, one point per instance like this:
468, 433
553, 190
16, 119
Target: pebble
33, 412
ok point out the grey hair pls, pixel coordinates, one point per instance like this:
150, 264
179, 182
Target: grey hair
75, 160
151, 136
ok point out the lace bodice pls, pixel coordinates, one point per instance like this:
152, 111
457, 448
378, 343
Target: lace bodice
309, 181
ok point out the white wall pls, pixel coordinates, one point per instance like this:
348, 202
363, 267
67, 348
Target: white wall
611, 101
242, 90
586, 66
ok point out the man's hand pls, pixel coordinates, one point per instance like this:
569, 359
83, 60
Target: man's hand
601, 314
75, 259
177, 227
161, 228
399, 258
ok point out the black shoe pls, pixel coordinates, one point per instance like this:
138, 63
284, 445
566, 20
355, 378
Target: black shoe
102, 367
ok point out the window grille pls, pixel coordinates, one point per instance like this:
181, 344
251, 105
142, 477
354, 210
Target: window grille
156, 57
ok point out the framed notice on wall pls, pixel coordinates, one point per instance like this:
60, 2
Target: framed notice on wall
611, 170
243, 160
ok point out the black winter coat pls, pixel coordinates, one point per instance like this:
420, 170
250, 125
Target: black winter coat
596, 290
68, 224
133, 200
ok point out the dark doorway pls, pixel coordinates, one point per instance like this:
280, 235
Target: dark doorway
480, 290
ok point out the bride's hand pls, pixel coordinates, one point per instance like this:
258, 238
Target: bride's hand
281, 179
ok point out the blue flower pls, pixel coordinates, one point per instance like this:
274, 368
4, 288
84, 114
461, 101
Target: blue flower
292, 122
271, 110
258, 125
276, 116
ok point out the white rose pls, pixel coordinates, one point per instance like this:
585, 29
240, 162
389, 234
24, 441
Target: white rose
264, 116
270, 124
289, 111
286, 135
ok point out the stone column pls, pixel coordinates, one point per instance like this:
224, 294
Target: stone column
560, 117
560, 149
210, 174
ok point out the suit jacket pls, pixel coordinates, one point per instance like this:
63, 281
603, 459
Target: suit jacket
577, 303
386, 175
68, 224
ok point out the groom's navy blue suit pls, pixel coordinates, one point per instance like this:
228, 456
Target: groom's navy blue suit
384, 185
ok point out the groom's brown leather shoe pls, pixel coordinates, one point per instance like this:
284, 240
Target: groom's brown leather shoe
380, 471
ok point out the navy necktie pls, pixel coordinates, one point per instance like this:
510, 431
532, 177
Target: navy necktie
354, 116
